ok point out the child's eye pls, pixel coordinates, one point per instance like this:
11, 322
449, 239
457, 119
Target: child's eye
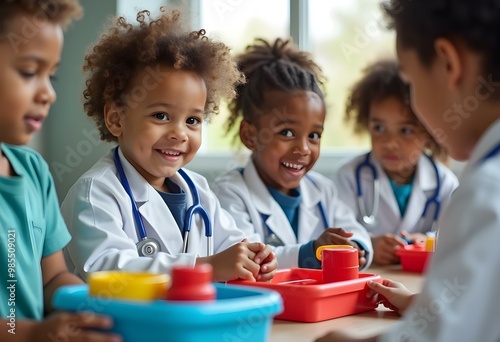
193, 121
287, 133
407, 131
315, 136
378, 128
161, 116
27, 74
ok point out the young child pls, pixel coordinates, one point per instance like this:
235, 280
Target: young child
32, 231
150, 86
282, 113
399, 188
451, 63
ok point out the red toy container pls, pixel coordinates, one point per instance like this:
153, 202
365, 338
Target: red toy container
191, 284
414, 258
307, 299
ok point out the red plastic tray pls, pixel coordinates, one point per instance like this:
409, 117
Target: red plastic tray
414, 258
307, 299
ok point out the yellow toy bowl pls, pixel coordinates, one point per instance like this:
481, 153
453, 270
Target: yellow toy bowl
128, 285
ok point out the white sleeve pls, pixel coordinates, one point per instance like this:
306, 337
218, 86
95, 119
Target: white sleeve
94, 216
459, 300
230, 195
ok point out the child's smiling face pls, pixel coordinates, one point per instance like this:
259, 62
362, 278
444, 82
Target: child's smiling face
285, 139
27, 65
160, 130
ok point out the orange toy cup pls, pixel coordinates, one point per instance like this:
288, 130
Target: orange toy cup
339, 262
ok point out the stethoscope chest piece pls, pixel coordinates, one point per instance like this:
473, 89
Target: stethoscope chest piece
148, 247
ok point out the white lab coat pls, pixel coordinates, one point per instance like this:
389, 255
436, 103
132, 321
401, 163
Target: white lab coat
388, 217
247, 198
99, 216
459, 300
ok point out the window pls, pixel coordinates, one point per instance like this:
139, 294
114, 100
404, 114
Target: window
343, 37
351, 35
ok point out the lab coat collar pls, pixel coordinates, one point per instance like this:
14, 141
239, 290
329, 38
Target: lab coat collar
488, 140
150, 204
275, 218
425, 175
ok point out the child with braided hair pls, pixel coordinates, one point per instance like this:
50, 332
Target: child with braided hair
281, 113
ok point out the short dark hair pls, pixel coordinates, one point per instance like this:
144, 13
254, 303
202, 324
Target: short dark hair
476, 23
58, 11
124, 48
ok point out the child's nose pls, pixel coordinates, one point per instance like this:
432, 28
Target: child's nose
177, 132
391, 141
302, 147
46, 93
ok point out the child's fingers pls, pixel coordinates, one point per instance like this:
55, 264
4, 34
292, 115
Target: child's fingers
99, 337
90, 320
264, 255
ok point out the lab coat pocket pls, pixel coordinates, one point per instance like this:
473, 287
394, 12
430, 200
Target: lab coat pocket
37, 233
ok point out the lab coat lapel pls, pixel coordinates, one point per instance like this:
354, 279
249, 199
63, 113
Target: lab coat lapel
388, 201
157, 218
267, 206
424, 186
310, 218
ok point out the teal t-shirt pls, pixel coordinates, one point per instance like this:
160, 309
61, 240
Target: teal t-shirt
31, 227
290, 206
402, 193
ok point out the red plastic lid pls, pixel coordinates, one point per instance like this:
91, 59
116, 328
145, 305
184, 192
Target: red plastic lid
200, 274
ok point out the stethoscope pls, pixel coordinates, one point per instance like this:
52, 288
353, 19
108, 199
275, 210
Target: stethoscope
369, 218
273, 240
149, 246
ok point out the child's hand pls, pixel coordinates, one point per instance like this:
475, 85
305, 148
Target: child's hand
384, 248
391, 294
333, 236
69, 327
338, 236
415, 237
267, 261
236, 262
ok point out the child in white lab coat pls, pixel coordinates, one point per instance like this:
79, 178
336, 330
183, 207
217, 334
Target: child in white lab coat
405, 161
448, 53
32, 230
149, 87
276, 195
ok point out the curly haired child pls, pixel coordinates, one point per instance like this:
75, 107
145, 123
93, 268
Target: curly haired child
32, 231
281, 112
405, 158
149, 87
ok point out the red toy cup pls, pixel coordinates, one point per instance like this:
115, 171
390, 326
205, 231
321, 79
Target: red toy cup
339, 262
192, 284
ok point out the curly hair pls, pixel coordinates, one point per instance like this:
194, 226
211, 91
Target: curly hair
380, 81
58, 11
474, 22
277, 67
124, 48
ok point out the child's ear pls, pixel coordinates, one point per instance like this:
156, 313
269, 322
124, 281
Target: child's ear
248, 134
112, 119
449, 58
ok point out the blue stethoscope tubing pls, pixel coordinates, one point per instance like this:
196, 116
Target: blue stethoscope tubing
369, 219
195, 208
